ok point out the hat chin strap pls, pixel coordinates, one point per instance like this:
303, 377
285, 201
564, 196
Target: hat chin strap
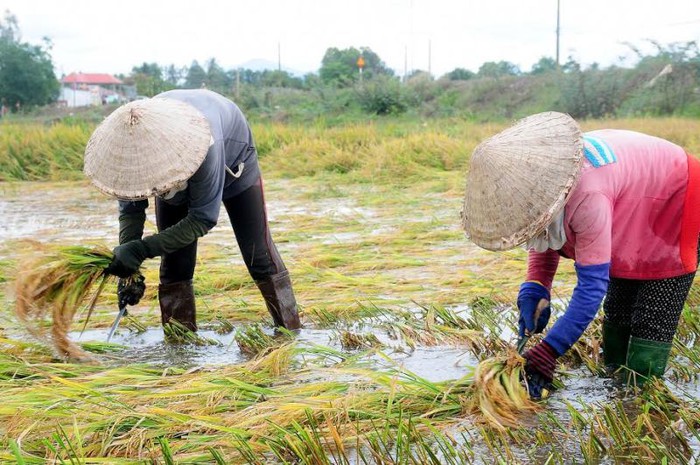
171, 193
554, 237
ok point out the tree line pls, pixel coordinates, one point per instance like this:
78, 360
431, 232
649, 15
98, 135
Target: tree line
664, 82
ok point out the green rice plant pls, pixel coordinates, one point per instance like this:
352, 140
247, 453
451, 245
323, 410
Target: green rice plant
224, 326
166, 451
588, 349
176, 333
252, 340
57, 280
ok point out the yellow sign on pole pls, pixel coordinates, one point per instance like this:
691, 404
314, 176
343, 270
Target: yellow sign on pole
360, 62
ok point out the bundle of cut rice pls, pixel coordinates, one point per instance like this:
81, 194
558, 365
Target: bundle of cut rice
55, 281
498, 392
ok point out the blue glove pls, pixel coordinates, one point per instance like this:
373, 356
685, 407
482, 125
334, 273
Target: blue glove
127, 259
530, 295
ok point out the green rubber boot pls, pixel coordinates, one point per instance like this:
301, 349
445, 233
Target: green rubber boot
616, 338
646, 359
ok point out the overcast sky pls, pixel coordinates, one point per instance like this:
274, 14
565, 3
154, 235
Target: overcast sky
439, 35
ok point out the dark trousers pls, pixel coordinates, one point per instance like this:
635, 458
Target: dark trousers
650, 308
249, 220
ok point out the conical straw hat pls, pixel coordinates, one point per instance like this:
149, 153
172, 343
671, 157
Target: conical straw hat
146, 147
519, 178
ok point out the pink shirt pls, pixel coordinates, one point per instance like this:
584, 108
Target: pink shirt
636, 213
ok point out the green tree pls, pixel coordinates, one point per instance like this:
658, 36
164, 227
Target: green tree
339, 67
460, 74
277, 78
383, 95
26, 71
174, 75
149, 79
544, 65
498, 69
196, 76
217, 79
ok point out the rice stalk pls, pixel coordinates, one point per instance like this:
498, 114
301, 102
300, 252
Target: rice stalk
252, 340
177, 333
498, 394
55, 281
355, 341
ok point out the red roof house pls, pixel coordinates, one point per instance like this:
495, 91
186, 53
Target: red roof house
82, 89
91, 79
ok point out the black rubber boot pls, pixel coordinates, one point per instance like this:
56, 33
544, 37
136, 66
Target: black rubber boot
616, 339
646, 359
177, 303
279, 298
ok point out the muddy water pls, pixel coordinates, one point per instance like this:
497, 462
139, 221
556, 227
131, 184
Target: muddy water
438, 363
77, 213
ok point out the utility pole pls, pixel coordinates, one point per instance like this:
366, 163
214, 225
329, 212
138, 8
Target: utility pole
558, 33
279, 57
405, 63
430, 50
238, 84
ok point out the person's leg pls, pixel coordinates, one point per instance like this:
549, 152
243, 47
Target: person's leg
175, 292
249, 220
654, 323
617, 320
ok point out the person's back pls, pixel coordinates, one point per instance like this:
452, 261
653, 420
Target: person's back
628, 205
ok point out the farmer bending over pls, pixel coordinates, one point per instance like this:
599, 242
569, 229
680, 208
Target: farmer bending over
624, 206
192, 150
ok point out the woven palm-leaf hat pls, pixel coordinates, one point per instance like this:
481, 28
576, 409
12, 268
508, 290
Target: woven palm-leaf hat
146, 147
520, 178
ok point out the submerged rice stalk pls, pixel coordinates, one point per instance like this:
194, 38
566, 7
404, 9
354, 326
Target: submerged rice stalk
177, 333
56, 281
253, 341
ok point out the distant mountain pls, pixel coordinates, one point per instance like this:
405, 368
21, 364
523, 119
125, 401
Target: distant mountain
261, 65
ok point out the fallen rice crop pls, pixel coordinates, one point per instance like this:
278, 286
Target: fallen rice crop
366, 219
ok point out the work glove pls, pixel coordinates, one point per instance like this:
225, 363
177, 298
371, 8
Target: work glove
540, 362
127, 259
529, 297
130, 291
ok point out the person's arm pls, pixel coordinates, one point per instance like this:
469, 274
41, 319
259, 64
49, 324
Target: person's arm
204, 191
132, 217
542, 266
591, 223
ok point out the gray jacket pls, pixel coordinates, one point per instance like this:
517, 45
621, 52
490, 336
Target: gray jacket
230, 167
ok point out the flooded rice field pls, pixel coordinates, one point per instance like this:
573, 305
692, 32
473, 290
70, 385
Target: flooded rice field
398, 308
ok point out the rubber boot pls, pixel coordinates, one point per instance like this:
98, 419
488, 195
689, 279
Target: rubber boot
279, 298
645, 359
177, 303
616, 338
